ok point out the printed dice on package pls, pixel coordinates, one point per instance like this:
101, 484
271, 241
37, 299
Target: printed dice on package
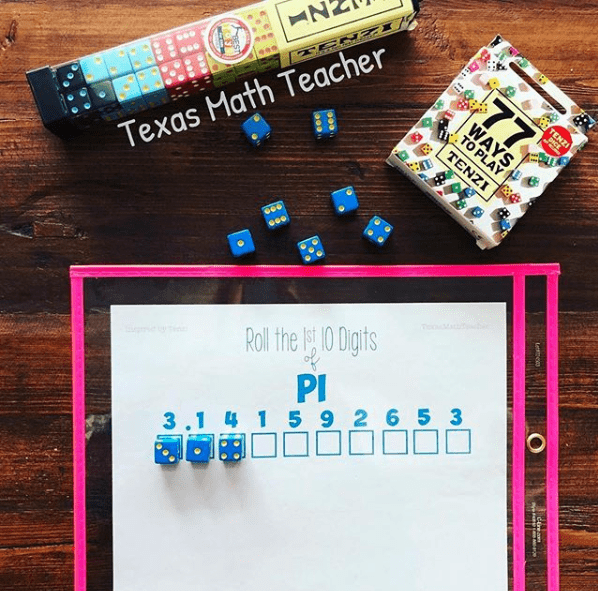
469, 192
583, 121
544, 122
463, 104
516, 174
414, 166
416, 137
504, 225
542, 79
344, 200
426, 149
563, 161
534, 181
515, 198
275, 215
427, 164
469, 95
403, 155
507, 191
439, 104
456, 187
311, 250
461, 204
427, 122
453, 138
503, 213
477, 212
199, 448
377, 231
231, 447
324, 123
256, 129
241, 243
440, 179
168, 449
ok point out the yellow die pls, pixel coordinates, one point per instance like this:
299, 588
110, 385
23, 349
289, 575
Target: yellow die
483, 108
426, 149
453, 138
534, 158
414, 166
494, 83
507, 191
542, 79
474, 105
544, 122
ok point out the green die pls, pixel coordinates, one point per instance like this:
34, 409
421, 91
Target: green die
456, 187
534, 181
439, 104
551, 162
523, 62
449, 174
543, 157
461, 204
469, 94
404, 155
510, 91
427, 122
554, 117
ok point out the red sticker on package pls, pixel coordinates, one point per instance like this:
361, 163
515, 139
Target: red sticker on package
229, 39
556, 141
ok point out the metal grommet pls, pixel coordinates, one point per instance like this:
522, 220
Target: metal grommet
536, 443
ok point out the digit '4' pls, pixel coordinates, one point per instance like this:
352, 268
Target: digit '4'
231, 419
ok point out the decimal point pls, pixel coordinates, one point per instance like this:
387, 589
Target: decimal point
188, 428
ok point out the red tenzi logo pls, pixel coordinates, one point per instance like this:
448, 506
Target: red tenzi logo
556, 141
229, 39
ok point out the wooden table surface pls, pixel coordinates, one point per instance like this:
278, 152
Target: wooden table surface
97, 200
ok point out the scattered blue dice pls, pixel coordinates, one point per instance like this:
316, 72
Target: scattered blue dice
516, 174
256, 129
231, 447
426, 164
311, 250
241, 243
468, 192
505, 225
377, 231
423, 176
477, 212
344, 200
199, 448
168, 449
276, 215
324, 123
563, 160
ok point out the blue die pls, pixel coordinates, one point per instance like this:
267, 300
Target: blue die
563, 161
241, 243
199, 448
477, 212
94, 68
377, 231
256, 129
168, 449
344, 200
505, 225
231, 447
516, 174
468, 192
275, 215
324, 123
311, 250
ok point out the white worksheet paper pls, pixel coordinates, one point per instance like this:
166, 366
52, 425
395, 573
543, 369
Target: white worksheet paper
375, 440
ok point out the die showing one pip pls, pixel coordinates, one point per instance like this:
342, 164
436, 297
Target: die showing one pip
344, 200
311, 250
241, 243
377, 231
102, 95
427, 122
231, 447
324, 123
256, 129
275, 215
168, 449
200, 448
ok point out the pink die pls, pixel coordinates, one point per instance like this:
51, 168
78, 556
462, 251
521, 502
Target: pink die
416, 137
474, 66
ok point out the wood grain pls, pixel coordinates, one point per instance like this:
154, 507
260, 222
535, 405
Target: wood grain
96, 200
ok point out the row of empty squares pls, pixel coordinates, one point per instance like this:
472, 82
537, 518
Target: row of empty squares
363, 442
